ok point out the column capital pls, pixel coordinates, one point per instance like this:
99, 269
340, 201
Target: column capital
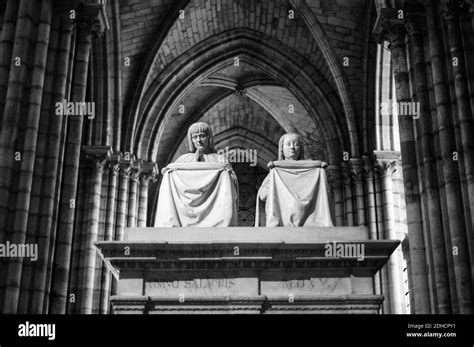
92, 17
347, 173
149, 171
335, 176
413, 25
99, 155
387, 162
125, 168
449, 9
114, 163
357, 168
135, 169
389, 27
368, 164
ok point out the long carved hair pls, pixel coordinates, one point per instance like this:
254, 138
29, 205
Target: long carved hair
200, 127
281, 155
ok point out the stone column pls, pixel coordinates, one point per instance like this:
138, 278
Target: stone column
454, 214
387, 168
133, 195
369, 182
450, 11
358, 172
149, 172
430, 177
121, 221
11, 111
391, 29
29, 149
87, 23
114, 168
406, 253
99, 155
6, 49
335, 179
368, 168
122, 202
384, 282
29, 269
348, 203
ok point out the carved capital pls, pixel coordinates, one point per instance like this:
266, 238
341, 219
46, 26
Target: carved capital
92, 19
136, 170
97, 155
134, 174
413, 25
335, 176
357, 168
114, 163
449, 9
149, 172
468, 5
66, 23
88, 26
347, 173
368, 165
125, 168
386, 167
389, 27
387, 162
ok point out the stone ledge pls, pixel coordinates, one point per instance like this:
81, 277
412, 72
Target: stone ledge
355, 304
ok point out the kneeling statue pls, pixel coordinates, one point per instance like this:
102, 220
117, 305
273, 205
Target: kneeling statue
295, 190
199, 188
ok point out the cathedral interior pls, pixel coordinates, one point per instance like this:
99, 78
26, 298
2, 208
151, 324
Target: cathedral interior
253, 70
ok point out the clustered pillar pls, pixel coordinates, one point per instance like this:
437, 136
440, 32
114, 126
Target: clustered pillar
363, 195
437, 148
61, 186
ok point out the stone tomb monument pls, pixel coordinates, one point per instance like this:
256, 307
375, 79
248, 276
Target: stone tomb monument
245, 270
197, 261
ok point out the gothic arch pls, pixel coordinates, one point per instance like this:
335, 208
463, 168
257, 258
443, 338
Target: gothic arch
302, 79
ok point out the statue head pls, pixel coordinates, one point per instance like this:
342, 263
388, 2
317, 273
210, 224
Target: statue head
200, 137
290, 147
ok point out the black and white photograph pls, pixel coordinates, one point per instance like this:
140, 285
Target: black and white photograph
260, 164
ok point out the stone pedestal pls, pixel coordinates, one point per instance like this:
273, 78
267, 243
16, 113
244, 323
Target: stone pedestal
245, 270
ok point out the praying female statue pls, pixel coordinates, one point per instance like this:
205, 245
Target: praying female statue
290, 147
295, 191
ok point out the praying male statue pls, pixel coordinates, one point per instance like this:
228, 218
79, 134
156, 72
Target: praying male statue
201, 146
199, 188
295, 190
